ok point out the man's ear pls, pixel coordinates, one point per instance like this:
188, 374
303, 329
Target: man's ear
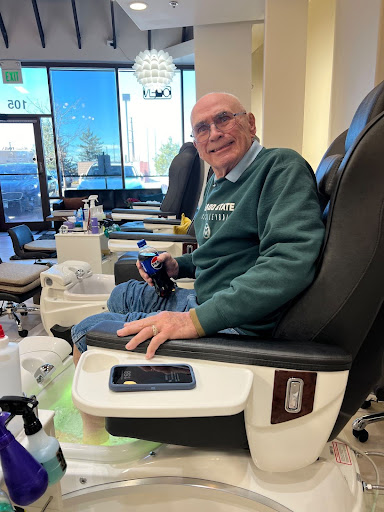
252, 123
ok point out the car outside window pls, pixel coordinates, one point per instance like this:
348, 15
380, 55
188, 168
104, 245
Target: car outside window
110, 178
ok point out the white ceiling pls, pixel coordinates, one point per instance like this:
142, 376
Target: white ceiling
160, 14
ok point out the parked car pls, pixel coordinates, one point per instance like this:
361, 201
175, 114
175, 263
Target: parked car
19, 183
102, 179
23, 178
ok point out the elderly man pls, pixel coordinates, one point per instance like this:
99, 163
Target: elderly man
259, 232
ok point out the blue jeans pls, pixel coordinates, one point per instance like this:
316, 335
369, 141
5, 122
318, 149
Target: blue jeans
131, 301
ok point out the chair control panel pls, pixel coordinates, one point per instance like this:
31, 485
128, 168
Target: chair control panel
294, 395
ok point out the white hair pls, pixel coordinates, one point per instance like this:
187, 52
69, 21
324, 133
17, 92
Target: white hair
219, 92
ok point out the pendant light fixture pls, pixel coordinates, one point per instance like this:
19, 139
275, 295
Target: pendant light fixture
154, 69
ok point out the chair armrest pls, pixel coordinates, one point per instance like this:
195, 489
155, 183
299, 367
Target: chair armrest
154, 237
58, 204
146, 204
307, 356
162, 222
149, 212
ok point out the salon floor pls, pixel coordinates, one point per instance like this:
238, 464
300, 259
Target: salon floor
375, 442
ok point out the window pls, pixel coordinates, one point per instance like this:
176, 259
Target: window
151, 127
102, 140
49, 156
30, 97
189, 94
86, 122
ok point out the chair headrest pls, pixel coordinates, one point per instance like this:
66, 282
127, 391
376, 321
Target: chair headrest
369, 108
187, 145
326, 177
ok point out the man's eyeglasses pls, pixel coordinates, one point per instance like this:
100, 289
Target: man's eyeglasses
224, 122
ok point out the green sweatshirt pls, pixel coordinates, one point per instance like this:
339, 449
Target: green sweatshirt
259, 239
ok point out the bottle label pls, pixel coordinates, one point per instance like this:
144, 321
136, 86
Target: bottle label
151, 265
55, 467
156, 264
61, 459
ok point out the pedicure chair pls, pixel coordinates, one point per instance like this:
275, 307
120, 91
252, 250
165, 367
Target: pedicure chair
262, 430
268, 411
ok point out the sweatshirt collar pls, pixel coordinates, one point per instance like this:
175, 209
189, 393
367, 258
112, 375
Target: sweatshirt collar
244, 163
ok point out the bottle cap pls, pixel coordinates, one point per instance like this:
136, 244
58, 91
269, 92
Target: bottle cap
3, 338
141, 243
32, 424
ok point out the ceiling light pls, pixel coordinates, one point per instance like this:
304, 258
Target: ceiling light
154, 69
138, 6
173, 3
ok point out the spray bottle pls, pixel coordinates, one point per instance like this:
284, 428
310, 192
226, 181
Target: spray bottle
24, 477
86, 215
92, 204
93, 222
10, 373
45, 449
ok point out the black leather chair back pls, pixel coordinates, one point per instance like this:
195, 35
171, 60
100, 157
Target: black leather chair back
186, 176
344, 304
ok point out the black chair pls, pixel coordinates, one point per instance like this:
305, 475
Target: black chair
26, 247
336, 324
186, 176
19, 283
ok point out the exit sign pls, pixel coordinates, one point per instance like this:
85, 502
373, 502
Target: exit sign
11, 72
12, 77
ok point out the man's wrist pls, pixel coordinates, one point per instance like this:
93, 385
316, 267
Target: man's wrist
200, 331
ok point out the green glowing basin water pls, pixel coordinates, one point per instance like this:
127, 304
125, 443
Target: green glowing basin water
56, 396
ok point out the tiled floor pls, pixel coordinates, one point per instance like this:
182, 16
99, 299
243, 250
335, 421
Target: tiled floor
376, 432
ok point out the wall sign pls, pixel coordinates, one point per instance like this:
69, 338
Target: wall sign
162, 94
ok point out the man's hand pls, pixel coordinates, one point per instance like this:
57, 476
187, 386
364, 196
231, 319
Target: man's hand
167, 325
169, 262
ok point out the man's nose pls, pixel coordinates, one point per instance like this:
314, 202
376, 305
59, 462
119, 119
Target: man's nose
214, 132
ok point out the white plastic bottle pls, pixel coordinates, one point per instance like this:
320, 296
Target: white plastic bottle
86, 215
10, 373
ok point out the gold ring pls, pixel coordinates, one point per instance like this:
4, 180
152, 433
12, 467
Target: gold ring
155, 330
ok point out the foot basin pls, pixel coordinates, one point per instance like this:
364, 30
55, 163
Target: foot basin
169, 494
96, 287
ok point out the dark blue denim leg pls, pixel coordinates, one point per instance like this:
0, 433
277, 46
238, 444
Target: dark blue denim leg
131, 301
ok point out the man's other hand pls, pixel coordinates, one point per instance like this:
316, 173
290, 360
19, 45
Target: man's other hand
169, 262
167, 325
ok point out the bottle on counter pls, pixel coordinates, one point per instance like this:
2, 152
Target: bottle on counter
10, 373
25, 478
44, 448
